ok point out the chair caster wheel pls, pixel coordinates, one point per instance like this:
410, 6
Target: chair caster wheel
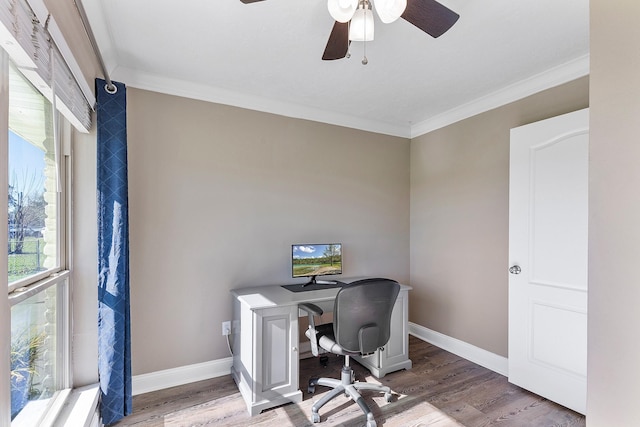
387, 397
312, 385
315, 418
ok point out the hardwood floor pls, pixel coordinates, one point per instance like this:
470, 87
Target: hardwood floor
441, 389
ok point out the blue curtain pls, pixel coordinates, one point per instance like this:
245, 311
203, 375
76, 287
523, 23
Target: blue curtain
114, 337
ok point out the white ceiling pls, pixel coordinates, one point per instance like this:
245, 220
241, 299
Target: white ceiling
266, 56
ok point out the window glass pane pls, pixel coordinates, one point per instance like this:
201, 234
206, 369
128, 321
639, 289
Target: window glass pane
33, 196
38, 325
34, 366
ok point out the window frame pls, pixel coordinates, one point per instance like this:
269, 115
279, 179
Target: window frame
5, 308
61, 139
27, 287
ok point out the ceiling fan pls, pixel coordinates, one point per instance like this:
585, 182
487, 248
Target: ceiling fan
428, 15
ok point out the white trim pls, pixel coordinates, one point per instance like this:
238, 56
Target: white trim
5, 308
564, 73
160, 380
470, 352
207, 93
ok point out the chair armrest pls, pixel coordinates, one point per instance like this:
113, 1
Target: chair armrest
312, 310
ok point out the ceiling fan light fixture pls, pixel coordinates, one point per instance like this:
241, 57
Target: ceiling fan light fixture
361, 27
342, 10
390, 10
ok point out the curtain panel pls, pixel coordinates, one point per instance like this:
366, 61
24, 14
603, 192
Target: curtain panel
114, 337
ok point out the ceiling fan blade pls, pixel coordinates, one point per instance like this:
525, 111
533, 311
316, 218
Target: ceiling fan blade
430, 16
338, 44
249, 1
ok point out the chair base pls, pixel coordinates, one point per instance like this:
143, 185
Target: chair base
350, 388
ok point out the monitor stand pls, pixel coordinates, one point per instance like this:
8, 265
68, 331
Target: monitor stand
313, 281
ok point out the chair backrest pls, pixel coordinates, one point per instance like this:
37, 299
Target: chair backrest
362, 314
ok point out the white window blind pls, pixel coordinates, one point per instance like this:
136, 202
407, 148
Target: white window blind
31, 47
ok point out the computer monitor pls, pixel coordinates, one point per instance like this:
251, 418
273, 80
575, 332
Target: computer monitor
311, 260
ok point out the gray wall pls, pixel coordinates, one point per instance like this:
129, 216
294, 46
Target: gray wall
210, 183
460, 218
614, 211
217, 196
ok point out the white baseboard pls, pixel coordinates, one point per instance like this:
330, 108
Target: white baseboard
159, 380
470, 352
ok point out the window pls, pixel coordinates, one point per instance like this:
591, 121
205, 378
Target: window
33, 183
36, 263
37, 88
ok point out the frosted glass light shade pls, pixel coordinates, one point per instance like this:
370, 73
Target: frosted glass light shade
342, 10
390, 10
361, 28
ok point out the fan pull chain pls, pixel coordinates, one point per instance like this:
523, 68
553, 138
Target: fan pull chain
365, 61
348, 42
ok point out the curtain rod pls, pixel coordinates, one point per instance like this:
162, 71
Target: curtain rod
110, 87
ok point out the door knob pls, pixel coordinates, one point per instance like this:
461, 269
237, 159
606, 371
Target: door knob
515, 269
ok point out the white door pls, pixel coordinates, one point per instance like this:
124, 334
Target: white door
548, 210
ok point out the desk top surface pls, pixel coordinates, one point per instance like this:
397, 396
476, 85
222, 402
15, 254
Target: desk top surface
277, 296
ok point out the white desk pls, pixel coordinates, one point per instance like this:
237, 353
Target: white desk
265, 342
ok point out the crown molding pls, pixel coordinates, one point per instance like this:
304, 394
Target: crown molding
564, 73
146, 81
553, 77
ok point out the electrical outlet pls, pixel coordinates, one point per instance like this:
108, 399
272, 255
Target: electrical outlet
226, 327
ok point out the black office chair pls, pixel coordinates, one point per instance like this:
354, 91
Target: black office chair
361, 325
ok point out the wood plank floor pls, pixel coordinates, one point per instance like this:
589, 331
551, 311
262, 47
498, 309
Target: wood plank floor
441, 389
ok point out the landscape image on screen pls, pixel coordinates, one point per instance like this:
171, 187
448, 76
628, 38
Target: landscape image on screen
316, 260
